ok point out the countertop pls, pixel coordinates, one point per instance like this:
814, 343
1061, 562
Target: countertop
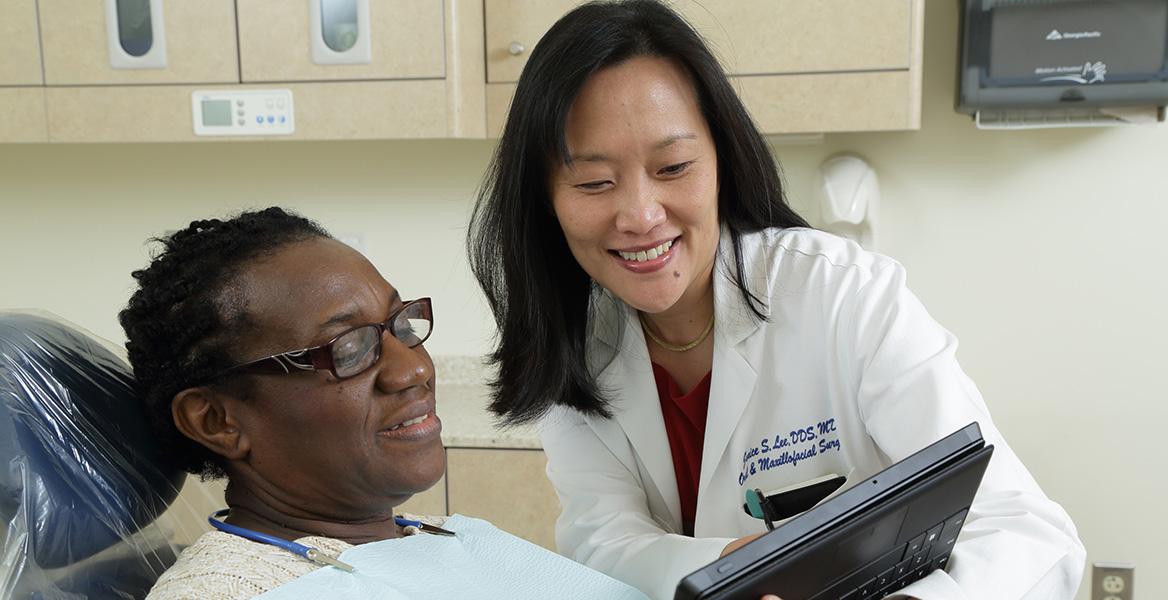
461, 403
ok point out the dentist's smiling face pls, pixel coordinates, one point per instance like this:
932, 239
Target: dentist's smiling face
638, 202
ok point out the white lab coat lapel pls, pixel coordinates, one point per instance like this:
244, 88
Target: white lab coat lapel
628, 378
733, 380
628, 382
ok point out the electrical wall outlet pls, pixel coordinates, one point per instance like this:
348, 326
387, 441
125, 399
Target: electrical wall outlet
1113, 581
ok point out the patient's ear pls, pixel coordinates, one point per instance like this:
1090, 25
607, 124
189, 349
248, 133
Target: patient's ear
207, 417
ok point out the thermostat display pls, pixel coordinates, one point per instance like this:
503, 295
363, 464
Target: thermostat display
216, 113
242, 112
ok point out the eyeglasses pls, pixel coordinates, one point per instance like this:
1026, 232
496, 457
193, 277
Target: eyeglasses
352, 352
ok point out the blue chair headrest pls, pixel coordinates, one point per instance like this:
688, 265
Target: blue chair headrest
79, 468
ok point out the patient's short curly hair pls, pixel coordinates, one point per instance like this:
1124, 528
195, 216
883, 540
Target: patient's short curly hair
181, 321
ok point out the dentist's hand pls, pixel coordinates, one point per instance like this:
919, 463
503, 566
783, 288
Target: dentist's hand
740, 542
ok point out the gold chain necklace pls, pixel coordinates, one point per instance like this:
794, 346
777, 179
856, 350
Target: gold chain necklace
673, 347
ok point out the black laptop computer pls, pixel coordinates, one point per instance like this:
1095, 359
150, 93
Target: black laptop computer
871, 540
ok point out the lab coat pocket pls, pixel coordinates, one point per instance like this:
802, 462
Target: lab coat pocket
783, 504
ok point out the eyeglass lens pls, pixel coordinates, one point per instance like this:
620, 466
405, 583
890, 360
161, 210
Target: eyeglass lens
358, 349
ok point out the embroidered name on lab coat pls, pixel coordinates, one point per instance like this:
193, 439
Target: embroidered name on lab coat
789, 449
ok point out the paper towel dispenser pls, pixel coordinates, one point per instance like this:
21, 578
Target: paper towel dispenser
1051, 63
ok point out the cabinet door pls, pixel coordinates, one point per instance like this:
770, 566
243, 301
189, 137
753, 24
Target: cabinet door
766, 37
406, 41
750, 37
198, 38
832, 102
799, 66
19, 45
512, 29
509, 488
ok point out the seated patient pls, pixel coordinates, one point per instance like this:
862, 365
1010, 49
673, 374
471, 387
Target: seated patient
271, 354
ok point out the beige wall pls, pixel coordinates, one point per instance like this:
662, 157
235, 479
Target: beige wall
1044, 252
1041, 250
74, 218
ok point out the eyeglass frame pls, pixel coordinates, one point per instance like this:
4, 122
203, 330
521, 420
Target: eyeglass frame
322, 355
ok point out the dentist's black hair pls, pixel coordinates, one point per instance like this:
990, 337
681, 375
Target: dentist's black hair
182, 320
539, 295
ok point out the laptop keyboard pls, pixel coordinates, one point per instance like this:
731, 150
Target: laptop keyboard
903, 565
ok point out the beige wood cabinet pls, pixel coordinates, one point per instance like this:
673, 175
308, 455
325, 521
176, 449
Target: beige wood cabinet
22, 109
406, 37
22, 115
423, 80
436, 68
770, 37
20, 46
750, 37
800, 67
324, 111
199, 43
512, 28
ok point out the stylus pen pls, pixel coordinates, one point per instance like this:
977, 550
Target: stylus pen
759, 507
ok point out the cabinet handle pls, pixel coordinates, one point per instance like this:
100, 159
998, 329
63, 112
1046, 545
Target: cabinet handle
135, 35
135, 30
339, 32
515, 49
339, 27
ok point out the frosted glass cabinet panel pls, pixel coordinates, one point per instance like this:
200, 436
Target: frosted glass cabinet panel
310, 40
20, 50
154, 41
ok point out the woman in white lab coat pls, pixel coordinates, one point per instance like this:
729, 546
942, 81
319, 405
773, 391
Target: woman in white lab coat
684, 336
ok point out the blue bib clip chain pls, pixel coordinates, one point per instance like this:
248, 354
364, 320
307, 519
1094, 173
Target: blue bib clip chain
308, 552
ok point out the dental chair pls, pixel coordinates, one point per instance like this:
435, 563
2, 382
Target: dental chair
81, 481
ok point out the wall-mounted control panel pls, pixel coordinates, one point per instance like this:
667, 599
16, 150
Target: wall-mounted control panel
245, 112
